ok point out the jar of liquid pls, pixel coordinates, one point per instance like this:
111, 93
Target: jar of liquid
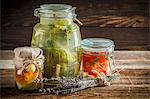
97, 57
28, 67
59, 37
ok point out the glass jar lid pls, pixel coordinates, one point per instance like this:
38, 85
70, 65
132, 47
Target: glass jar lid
97, 44
55, 10
56, 7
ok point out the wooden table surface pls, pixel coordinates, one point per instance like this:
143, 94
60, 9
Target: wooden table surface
133, 83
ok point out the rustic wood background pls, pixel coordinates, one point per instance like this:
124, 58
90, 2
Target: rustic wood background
124, 21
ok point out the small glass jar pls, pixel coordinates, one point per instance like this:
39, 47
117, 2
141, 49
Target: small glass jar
28, 67
59, 37
97, 57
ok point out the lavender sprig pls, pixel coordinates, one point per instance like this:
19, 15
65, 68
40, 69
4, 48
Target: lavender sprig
63, 86
69, 85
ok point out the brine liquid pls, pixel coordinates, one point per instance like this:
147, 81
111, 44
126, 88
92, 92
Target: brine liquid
26, 80
94, 63
60, 42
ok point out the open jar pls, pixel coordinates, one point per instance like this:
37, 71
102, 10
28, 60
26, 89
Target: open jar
28, 67
97, 57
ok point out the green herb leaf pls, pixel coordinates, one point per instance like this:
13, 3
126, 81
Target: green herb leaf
96, 60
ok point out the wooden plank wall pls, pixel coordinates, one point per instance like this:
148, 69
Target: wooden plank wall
124, 21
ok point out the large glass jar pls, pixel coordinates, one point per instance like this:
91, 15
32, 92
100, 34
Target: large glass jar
59, 37
97, 57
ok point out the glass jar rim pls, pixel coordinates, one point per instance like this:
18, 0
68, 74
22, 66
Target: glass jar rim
55, 10
56, 7
96, 44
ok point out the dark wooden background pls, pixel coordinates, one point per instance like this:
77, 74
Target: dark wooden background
124, 21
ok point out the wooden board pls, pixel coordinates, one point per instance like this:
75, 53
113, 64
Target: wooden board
133, 83
101, 18
124, 38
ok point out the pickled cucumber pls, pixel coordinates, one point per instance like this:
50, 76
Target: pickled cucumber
59, 39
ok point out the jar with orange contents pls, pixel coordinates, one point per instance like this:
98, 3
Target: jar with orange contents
28, 67
97, 57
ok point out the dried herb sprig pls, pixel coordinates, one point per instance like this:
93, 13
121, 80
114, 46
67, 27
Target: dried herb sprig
63, 86
67, 86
